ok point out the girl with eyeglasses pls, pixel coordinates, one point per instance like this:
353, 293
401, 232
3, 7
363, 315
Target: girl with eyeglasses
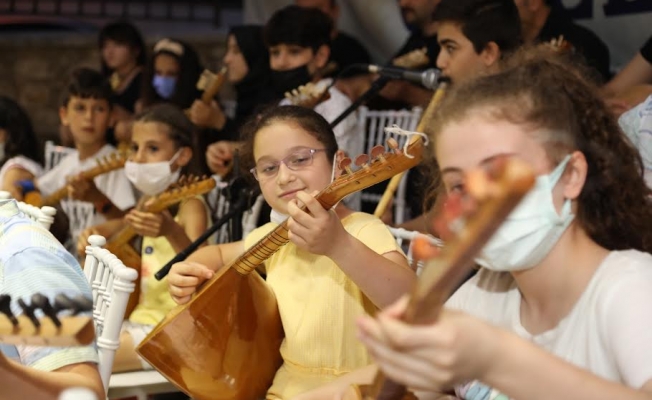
338, 265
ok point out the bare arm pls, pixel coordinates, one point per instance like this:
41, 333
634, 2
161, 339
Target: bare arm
192, 223
11, 178
382, 278
21, 382
512, 373
637, 71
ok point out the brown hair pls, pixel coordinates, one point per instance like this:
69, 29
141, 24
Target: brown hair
305, 118
545, 93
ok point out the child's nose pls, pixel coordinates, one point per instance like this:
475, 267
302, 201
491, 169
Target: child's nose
284, 174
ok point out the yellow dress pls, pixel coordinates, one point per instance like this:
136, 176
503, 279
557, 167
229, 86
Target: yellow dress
318, 305
155, 300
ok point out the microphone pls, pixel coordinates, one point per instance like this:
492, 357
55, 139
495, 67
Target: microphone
427, 78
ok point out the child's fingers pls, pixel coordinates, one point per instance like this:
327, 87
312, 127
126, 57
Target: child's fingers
312, 205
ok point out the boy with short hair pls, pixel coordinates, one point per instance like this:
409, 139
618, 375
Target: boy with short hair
86, 111
475, 35
299, 47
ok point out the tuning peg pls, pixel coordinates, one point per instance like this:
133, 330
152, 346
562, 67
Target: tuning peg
28, 311
42, 302
362, 160
377, 153
393, 144
76, 305
345, 165
5, 308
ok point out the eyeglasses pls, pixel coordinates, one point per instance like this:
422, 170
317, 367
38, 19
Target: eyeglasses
297, 160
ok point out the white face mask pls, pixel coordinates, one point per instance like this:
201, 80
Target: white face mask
531, 230
152, 178
278, 218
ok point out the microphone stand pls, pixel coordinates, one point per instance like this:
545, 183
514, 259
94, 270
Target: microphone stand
376, 87
235, 225
236, 209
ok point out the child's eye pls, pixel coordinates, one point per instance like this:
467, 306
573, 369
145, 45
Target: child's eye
79, 107
269, 169
153, 149
299, 160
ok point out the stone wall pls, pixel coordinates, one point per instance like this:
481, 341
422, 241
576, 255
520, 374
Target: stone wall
35, 70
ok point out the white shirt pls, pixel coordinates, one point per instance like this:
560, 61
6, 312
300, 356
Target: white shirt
637, 125
114, 185
608, 332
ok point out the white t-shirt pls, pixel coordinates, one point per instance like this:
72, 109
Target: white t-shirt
608, 332
114, 185
637, 125
22, 162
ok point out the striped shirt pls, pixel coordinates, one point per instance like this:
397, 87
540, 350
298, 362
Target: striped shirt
33, 261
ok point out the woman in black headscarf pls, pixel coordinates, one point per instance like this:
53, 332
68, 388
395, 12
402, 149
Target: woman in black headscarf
247, 62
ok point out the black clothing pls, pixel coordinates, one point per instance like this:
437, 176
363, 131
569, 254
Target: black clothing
586, 43
347, 50
646, 50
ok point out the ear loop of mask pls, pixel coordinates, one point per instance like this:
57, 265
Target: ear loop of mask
395, 129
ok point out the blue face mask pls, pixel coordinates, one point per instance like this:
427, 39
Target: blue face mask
164, 85
530, 232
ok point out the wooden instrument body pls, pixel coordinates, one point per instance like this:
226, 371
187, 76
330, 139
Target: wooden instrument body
243, 353
231, 330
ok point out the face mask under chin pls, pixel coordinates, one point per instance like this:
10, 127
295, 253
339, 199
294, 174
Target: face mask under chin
284, 81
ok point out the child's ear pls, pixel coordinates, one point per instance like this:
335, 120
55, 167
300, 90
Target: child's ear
185, 155
321, 56
490, 54
63, 115
574, 176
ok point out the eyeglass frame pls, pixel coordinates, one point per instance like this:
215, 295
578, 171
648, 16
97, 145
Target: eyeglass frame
312, 152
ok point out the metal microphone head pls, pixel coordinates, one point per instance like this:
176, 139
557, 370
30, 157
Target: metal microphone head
430, 78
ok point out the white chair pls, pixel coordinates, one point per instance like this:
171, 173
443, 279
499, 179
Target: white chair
81, 215
54, 154
405, 239
371, 125
111, 282
43, 215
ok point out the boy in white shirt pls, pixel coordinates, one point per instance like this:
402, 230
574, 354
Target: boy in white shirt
86, 111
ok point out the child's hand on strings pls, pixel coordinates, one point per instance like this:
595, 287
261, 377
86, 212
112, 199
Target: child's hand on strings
316, 230
150, 224
184, 279
83, 189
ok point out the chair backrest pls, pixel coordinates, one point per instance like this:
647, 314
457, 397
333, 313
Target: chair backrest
43, 215
111, 282
219, 205
54, 154
81, 215
405, 239
371, 125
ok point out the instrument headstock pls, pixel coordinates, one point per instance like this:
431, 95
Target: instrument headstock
186, 187
209, 78
376, 167
52, 329
309, 95
113, 161
415, 59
